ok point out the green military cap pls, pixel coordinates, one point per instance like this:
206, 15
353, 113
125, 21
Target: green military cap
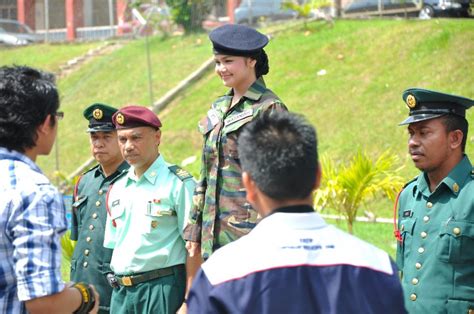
427, 104
100, 117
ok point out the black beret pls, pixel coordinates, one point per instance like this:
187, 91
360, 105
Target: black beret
100, 117
237, 40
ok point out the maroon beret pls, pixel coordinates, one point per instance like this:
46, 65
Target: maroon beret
135, 116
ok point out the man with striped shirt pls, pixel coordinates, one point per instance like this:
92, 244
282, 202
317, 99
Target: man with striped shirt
32, 215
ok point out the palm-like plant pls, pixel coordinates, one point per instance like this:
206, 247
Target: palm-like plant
346, 188
305, 9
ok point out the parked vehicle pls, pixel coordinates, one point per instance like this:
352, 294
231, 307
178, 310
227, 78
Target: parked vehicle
250, 11
15, 33
445, 8
423, 9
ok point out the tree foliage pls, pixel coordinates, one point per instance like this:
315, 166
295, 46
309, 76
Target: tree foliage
346, 188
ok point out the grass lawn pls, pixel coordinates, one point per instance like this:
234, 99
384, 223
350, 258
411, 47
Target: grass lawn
44, 56
379, 234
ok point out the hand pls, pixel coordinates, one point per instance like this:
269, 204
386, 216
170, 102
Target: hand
193, 248
95, 309
183, 309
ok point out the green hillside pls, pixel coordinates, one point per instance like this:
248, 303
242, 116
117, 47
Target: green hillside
355, 105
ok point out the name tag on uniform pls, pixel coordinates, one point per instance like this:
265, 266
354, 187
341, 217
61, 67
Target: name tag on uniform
213, 117
116, 203
244, 114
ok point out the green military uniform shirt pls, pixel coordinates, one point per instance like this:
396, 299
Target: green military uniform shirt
91, 261
221, 213
147, 218
436, 255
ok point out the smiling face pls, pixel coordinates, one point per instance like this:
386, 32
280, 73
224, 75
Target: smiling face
235, 72
139, 146
105, 148
431, 147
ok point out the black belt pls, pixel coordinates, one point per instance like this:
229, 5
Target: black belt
146, 276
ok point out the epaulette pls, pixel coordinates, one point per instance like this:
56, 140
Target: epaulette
180, 172
91, 169
412, 180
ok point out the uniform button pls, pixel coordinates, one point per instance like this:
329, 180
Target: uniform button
88, 239
97, 203
414, 281
402, 228
429, 204
85, 264
86, 252
101, 192
457, 231
421, 250
423, 234
455, 187
91, 227
94, 215
418, 265
413, 297
426, 218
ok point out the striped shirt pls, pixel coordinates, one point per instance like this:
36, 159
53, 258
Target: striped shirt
32, 219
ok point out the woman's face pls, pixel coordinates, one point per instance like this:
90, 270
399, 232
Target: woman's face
235, 71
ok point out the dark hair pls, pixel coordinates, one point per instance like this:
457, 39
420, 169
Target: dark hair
454, 122
279, 151
27, 97
261, 67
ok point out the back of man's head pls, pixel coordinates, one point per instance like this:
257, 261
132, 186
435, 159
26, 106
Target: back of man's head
27, 97
279, 151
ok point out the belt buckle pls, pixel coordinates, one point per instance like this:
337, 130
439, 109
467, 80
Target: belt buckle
127, 281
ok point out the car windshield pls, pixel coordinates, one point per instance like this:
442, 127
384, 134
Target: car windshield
13, 28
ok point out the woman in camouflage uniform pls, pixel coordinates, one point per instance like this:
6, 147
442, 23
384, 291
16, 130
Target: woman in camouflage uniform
221, 213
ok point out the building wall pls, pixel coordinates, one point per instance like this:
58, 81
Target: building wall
8, 9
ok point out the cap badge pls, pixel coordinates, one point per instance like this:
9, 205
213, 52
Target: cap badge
411, 101
120, 118
97, 114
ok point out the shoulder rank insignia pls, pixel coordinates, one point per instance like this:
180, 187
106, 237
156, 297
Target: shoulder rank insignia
412, 180
180, 172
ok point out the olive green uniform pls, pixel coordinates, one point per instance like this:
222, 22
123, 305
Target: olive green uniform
436, 255
91, 261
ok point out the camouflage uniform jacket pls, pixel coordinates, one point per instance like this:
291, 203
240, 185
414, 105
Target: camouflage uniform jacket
221, 213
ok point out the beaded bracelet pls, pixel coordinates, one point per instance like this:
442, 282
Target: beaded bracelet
88, 299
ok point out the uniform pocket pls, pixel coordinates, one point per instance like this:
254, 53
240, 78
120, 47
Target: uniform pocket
406, 228
157, 213
459, 306
456, 240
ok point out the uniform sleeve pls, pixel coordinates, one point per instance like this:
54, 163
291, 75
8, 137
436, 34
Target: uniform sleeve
399, 256
192, 231
74, 210
185, 203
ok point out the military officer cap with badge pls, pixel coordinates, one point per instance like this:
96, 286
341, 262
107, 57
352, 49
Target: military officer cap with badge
100, 118
427, 104
135, 116
237, 40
